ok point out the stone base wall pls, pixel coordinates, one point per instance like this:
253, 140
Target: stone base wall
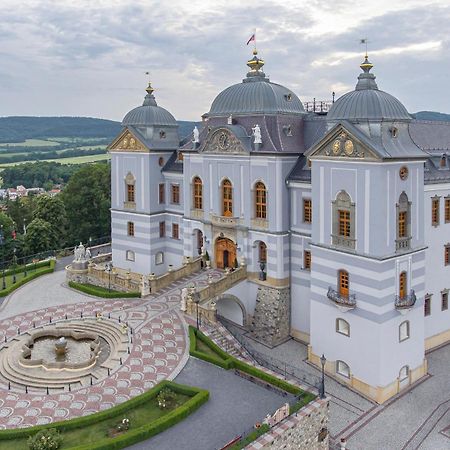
305, 430
272, 317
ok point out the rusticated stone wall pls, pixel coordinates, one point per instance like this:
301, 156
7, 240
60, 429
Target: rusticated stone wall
271, 320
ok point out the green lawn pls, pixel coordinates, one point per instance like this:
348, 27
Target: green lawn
138, 416
202, 347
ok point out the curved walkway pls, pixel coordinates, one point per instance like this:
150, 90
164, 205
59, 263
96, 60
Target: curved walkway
159, 348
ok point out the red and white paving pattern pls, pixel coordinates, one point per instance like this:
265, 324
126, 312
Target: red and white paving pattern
159, 351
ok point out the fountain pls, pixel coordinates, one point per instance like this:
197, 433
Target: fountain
61, 346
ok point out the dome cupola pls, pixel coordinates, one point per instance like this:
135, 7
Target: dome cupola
367, 102
256, 95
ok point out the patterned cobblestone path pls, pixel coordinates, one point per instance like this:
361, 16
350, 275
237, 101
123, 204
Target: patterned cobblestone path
159, 350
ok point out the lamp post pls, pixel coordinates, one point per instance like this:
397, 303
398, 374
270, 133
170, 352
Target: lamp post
323, 360
2, 243
14, 265
196, 298
90, 246
108, 268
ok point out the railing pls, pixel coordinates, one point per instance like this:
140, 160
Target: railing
318, 106
343, 241
348, 301
225, 221
223, 284
406, 302
403, 243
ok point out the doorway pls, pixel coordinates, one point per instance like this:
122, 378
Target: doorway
225, 253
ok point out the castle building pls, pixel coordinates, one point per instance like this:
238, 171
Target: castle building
341, 219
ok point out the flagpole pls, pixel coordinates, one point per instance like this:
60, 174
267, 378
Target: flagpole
254, 41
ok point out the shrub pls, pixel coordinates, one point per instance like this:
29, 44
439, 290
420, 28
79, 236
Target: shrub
49, 439
99, 291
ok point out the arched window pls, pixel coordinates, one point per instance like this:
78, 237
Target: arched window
260, 200
198, 193
343, 221
159, 258
403, 331
403, 222
227, 198
342, 327
402, 285
343, 369
262, 252
404, 373
343, 283
130, 255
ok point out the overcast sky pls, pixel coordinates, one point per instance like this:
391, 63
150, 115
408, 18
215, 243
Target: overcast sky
89, 58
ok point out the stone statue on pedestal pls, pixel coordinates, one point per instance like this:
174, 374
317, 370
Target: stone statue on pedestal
257, 134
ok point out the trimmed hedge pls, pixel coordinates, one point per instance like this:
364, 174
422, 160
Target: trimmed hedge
99, 291
30, 266
31, 276
199, 396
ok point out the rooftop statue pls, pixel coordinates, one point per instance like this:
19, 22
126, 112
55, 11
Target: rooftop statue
196, 135
257, 134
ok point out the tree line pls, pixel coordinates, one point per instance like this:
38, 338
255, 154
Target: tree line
52, 154
36, 224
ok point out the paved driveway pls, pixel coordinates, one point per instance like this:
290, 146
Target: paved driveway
234, 406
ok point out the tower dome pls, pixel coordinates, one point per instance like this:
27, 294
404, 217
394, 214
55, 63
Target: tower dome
255, 95
367, 102
149, 114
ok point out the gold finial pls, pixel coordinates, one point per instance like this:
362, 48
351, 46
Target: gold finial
366, 65
255, 52
149, 89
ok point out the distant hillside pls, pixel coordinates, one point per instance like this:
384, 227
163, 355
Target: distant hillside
20, 128
432, 115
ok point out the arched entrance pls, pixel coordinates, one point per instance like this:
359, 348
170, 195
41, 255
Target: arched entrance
225, 253
199, 241
231, 308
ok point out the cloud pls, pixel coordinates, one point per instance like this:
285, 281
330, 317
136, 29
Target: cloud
86, 58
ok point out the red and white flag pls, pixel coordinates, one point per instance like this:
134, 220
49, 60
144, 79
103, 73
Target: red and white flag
252, 38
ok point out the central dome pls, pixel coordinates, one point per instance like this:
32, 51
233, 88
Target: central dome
256, 95
367, 102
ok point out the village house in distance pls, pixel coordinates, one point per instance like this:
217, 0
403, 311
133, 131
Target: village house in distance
333, 220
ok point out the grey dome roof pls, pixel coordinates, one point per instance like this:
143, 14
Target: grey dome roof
367, 102
256, 95
149, 114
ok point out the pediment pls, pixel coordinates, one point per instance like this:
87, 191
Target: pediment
340, 143
127, 142
222, 140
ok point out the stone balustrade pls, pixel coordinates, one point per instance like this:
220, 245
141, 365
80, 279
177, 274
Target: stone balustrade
223, 221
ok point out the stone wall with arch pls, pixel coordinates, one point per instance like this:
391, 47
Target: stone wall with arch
231, 308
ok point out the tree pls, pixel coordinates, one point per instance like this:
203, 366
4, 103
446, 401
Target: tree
53, 211
87, 198
21, 211
39, 236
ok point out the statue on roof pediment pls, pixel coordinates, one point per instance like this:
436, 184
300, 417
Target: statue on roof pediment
222, 141
127, 142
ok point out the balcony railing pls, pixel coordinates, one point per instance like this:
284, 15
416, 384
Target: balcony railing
406, 302
403, 243
343, 241
346, 301
225, 221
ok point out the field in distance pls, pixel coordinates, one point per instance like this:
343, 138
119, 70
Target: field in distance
73, 160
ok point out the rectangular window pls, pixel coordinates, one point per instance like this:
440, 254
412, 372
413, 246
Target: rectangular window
342, 327
447, 210
162, 229
130, 192
162, 193
307, 260
175, 231
435, 211
307, 210
447, 255
130, 228
402, 216
343, 283
444, 305
344, 223
427, 306
175, 196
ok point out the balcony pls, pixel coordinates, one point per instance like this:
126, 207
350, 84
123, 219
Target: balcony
343, 241
404, 304
403, 243
223, 221
344, 303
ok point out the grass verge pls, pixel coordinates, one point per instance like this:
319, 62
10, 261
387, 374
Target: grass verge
43, 268
99, 291
91, 432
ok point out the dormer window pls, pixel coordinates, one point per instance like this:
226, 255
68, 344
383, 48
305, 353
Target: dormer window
180, 156
394, 131
162, 134
288, 97
443, 162
287, 130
